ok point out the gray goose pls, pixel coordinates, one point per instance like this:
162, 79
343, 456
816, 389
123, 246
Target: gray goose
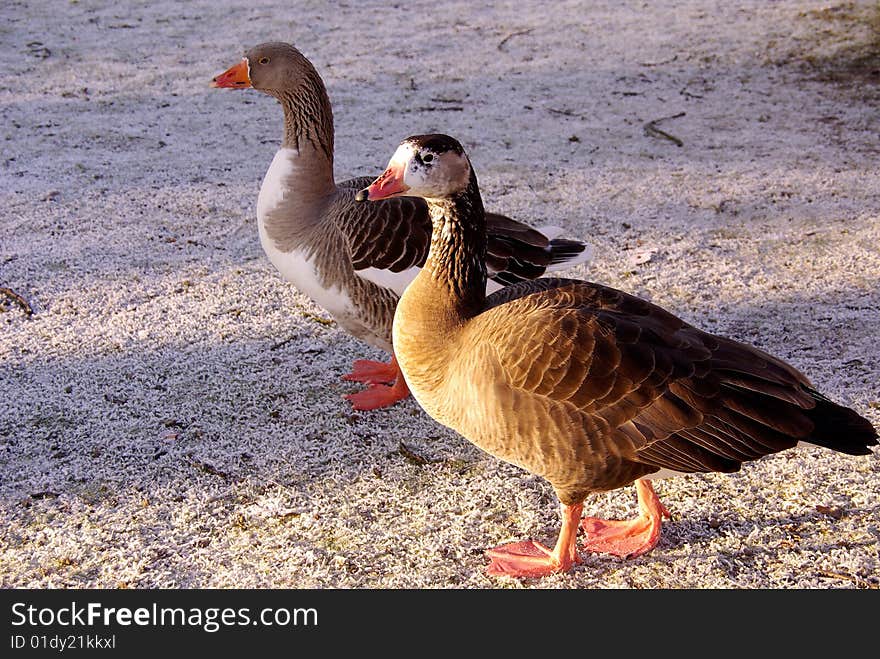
354, 260
589, 387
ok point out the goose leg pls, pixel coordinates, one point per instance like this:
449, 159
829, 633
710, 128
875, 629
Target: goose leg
629, 537
376, 375
532, 559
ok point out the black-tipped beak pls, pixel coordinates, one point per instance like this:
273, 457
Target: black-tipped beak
363, 195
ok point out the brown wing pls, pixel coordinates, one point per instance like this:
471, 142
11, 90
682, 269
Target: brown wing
655, 390
395, 235
607, 353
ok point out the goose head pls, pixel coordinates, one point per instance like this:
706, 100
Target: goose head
268, 67
429, 166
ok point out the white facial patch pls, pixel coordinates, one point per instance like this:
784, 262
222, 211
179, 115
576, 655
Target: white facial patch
443, 175
401, 159
405, 152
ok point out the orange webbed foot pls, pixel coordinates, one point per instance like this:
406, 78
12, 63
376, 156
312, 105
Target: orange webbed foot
378, 396
370, 372
378, 375
526, 559
618, 537
532, 559
627, 538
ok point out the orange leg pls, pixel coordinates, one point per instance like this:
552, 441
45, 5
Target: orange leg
628, 538
532, 559
377, 375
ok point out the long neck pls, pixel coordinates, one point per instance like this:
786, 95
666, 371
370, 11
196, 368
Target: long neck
436, 307
308, 121
457, 258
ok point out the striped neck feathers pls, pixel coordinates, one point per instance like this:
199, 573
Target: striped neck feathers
308, 116
457, 257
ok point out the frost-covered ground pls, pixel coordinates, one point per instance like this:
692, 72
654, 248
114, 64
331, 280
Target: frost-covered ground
171, 415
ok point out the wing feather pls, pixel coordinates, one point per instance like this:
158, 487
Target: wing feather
395, 235
669, 395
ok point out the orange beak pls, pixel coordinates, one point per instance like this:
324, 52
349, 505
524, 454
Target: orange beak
235, 77
390, 184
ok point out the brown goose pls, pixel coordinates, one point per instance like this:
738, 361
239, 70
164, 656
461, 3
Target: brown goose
587, 386
354, 260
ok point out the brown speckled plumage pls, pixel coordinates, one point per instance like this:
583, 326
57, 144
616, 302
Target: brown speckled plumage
320, 218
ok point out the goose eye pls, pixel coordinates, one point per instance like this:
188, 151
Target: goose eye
264, 60
428, 157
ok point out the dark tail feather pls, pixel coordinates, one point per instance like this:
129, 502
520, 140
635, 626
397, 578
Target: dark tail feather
840, 428
563, 250
516, 252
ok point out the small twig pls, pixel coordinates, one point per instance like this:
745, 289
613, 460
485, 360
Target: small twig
292, 512
438, 99
44, 494
411, 455
199, 244
858, 581
434, 108
566, 112
661, 63
685, 92
414, 457
281, 344
511, 36
328, 322
652, 130
208, 468
11, 294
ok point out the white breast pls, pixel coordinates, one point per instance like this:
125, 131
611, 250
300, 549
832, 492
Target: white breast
275, 182
297, 266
